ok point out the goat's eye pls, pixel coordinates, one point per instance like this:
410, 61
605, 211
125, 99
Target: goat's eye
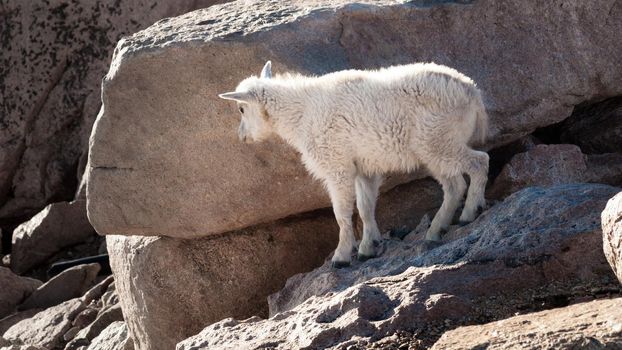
241, 109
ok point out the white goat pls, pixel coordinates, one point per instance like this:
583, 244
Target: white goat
353, 126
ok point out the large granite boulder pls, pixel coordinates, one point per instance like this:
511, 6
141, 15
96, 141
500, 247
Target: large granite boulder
612, 233
540, 248
171, 288
593, 325
54, 54
164, 155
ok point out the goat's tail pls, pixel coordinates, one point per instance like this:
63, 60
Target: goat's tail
480, 132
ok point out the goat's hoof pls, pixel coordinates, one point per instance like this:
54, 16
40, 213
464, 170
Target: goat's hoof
364, 257
480, 209
340, 264
463, 223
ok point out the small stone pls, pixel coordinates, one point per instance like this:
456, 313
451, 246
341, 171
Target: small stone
71, 333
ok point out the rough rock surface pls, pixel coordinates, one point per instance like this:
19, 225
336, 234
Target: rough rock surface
612, 234
105, 317
547, 165
14, 290
592, 325
164, 151
596, 127
46, 328
69, 284
53, 57
58, 226
539, 239
12, 319
171, 288
114, 337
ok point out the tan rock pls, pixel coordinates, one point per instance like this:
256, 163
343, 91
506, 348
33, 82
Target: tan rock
165, 159
612, 234
592, 325
69, 284
15, 289
58, 226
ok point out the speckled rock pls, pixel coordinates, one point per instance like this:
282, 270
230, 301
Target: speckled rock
69, 284
593, 325
171, 288
15, 289
547, 165
165, 159
54, 54
612, 234
544, 239
58, 226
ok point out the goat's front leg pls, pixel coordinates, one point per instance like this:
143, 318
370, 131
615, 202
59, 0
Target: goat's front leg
341, 190
366, 197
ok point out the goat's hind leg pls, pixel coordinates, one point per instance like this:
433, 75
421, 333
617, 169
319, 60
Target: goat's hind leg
476, 166
453, 190
366, 197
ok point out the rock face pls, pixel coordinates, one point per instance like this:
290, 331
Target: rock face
54, 55
231, 275
59, 225
593, 325
547, 165
612, 234
14, 290
164, 151
541, 242
69, 284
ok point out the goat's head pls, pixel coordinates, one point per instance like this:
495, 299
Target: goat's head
255, 124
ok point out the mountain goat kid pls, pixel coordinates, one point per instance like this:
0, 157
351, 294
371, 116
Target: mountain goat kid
353, 126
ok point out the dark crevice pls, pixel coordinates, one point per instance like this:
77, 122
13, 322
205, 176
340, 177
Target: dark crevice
594, 126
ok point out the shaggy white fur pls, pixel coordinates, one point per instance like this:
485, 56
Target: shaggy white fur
353, 126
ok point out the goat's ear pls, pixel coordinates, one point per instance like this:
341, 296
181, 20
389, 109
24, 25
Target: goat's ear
238, 96
266, 72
